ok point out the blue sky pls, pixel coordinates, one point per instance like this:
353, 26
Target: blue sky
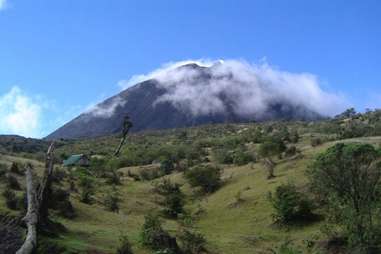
59, 57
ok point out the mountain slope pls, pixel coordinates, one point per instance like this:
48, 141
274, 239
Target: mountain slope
178, 102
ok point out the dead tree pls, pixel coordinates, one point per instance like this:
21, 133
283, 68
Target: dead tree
127, 125
270, 165
37, 198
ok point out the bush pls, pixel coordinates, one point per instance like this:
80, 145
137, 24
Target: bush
112, 200
10, 199
15, 169
316, 141
207, 177
148, 174
192, 242
12, 183
290, 205
124, 246
60, 201
272, 146
223, 156
347, 178
3, 170
87, 189
242, 157
113, 177
155, 237
173, 198
166, 166
290, 151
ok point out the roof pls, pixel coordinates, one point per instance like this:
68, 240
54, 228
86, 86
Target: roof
73, 159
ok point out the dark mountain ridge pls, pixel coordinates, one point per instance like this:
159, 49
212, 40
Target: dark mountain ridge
141, 102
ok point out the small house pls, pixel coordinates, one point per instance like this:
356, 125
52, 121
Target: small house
77, 160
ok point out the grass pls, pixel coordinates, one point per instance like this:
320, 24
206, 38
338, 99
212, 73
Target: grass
231, 226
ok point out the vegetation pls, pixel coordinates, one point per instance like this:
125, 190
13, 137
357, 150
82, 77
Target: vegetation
348, 176
161, 171
206, 177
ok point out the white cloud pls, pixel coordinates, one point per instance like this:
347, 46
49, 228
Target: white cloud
3, 4
19, 114
106, 109
162, 71
250, 88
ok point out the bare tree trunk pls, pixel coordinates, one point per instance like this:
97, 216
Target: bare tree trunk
127, 125
270, 165
36, 202
31, 217
122, 141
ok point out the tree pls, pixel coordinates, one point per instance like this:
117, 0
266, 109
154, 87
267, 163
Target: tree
271, 146
347, 178
127, 125
173, 198
207, 177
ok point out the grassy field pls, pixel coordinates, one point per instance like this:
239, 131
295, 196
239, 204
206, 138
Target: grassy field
236, 219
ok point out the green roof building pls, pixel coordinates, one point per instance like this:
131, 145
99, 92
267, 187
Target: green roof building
77, 160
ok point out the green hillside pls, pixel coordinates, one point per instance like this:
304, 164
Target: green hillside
236, 218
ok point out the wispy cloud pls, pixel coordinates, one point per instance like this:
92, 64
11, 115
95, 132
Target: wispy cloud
3, 4
165, 68
19, 114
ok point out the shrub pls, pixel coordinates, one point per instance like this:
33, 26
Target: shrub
15, 169
272, 146
60, 201
3, 170
155, 237
124, 246
315, 141
223, 156
207, 177
112, 200
290, 151
113, 177
173, 198
10, 199
242, 157
87, 189
192, 242
347, 178
166, 166
148, 174
13, 183
290, 205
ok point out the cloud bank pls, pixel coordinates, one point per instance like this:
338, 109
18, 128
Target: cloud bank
19, 114
250, 89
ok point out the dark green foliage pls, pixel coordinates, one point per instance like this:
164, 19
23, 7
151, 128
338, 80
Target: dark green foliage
13, 183
3, 170
316, 141
60, 201
166, 166
290, 151
223, 156
10, 199
15, 169
192, 242
112, 200
347, 178
173, 198
87, 188
124, 246
113, 177
242, 157
294, 137
272, 145
289, 205
207, 177
155, 237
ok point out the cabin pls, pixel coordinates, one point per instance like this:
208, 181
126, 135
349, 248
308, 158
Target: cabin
77, 160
